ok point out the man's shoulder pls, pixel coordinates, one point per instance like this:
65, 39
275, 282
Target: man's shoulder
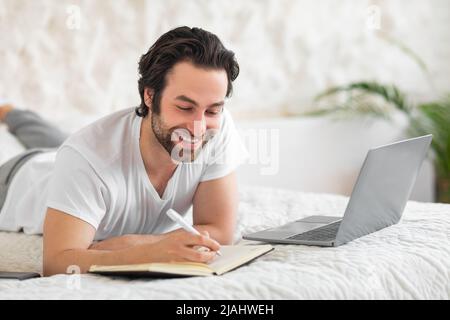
114, 122
102, 139
106, 122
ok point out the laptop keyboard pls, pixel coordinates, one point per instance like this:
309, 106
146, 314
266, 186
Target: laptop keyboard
326, 233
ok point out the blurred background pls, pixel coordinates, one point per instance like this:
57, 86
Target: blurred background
75, 61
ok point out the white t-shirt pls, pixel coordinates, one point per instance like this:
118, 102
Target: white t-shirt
98, 176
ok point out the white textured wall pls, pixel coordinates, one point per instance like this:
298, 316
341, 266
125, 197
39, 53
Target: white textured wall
63, 57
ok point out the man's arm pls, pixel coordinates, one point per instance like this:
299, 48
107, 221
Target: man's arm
67, 240
215, 206
125, 241
129, 240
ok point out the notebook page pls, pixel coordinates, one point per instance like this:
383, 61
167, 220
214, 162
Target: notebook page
234, 256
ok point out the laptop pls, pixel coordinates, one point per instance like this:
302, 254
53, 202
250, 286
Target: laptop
377, 201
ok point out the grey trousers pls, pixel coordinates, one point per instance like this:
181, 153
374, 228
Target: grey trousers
36, 134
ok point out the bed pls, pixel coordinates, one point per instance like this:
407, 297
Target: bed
409, 260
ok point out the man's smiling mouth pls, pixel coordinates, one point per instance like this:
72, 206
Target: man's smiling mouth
186, 140
191, 140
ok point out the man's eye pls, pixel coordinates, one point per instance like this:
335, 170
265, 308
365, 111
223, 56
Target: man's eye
214, 111
184, 108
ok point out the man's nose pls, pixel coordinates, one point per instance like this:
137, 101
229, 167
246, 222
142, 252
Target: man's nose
197, 127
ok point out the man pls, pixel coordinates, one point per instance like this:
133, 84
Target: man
113, 181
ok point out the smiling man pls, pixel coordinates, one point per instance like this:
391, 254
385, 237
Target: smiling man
113, 181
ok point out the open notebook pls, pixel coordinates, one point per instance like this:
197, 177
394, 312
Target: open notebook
232, 258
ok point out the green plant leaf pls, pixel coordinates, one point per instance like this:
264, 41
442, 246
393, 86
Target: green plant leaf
434, 118
406, 50
389, 93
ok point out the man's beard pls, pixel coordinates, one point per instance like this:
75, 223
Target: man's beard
169, 138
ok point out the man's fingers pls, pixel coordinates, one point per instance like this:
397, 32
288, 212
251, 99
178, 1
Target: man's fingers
202, 240
197, 255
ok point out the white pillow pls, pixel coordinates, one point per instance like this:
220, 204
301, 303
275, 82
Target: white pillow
10, 146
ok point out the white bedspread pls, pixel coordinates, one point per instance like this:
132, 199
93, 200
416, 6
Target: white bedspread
410, 260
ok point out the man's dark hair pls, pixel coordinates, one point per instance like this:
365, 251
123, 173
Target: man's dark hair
200, 47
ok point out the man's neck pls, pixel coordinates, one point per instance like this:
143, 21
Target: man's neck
157, 160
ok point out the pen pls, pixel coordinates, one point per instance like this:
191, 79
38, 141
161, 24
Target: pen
186, 226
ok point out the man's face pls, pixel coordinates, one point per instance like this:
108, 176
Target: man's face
190, 110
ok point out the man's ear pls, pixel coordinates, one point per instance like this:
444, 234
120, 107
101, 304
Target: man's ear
148, 97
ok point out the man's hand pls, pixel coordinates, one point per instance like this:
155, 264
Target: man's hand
180, 245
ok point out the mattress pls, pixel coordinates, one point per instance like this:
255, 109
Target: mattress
409, 260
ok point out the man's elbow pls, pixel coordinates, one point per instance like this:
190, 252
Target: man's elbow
62, 263
228, 238
227, 242
225, 237
53, 266
49, 268
48, 271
